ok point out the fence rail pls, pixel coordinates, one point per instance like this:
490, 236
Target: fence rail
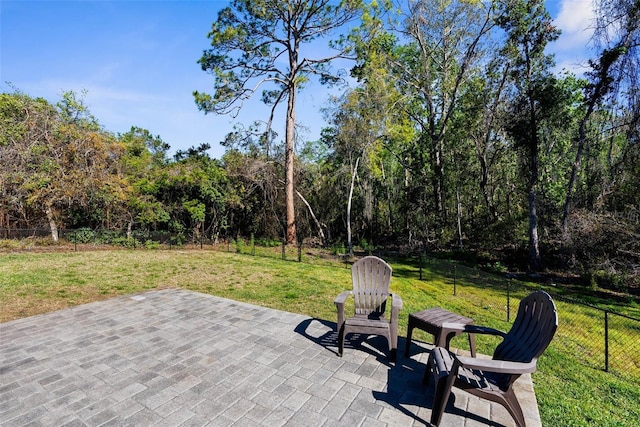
597, 337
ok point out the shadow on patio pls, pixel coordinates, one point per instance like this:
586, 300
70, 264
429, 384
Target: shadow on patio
177, 358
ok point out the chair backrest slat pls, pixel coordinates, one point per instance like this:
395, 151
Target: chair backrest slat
371, 277
532, 331
529, 336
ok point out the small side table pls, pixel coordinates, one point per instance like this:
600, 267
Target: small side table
431, 321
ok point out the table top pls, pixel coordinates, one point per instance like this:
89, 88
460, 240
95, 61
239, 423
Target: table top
437, 316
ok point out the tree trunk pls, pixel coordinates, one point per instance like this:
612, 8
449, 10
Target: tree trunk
535, 260
574, 173
459, 218
482, 144
438, 177
52, 223
390, 221
320, 232
353, 180
484, 180
289, 163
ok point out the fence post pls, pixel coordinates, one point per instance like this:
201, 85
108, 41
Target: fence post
509, 300
299, 250
455, 276
606, 340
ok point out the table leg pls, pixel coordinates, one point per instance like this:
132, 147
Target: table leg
409, 333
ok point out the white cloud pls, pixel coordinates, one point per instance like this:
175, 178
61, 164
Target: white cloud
576, 20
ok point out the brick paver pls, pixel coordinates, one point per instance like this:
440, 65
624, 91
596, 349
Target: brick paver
181, 358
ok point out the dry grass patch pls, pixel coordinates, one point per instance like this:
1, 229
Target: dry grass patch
34, 283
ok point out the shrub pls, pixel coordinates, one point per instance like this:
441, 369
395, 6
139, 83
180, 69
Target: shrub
107, 237
605, 246
366, 246
338, 249
82, 235
125, 243
150, 244
608, 280
268, 243
9, 244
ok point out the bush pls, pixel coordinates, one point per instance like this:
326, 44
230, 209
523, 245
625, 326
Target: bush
338, 249
108, 237
366, 246
608, 280
41, 241
150, 244
178, 239
268, 243
82, 235
495, 267
9, 244
606, 247
125, 243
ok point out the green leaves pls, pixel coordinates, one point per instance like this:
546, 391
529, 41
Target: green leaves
257, 44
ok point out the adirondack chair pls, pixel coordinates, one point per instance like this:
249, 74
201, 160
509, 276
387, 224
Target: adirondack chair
492, 379
370, 279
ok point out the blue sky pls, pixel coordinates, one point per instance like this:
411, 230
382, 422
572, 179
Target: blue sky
137, 60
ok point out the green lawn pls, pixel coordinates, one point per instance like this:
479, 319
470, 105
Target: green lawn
570, 392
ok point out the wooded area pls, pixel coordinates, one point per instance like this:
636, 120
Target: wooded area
458, 135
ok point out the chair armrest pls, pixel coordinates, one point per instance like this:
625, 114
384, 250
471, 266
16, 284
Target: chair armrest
396, 302
396, 306
339, 302
342, 298
472, 329
497, 366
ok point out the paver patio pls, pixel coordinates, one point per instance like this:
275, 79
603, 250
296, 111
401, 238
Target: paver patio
180, 358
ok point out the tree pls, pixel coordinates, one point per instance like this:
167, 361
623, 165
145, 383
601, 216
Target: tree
446, 47
260, 43
59, 158
529, 29
614, 73
25, 123
142, 163
253, 202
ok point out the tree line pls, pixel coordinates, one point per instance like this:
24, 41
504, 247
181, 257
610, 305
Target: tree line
457, 135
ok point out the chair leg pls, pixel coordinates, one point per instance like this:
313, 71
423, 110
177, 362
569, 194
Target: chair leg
393, 345
513, 407
426, 379
392, 342
341, 340
441, 397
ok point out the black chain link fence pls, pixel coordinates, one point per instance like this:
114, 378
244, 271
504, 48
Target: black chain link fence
597, 337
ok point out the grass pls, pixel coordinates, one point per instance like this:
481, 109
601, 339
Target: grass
569, 392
